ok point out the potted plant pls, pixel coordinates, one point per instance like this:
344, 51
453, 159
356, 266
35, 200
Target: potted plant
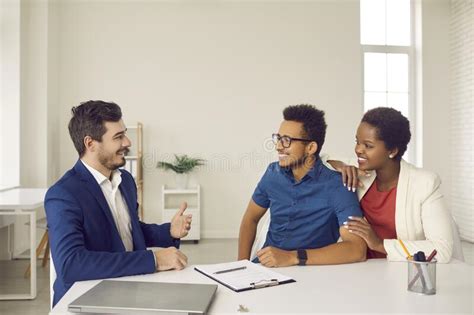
182, 166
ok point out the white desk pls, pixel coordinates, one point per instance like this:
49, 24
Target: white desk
375, 286
24, 201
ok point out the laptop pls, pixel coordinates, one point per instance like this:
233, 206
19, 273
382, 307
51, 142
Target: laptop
131, 297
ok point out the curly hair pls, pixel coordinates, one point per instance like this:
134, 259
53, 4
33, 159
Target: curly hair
392, 128
314, 124
88, 119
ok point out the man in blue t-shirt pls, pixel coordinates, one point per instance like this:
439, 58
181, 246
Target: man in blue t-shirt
308, 205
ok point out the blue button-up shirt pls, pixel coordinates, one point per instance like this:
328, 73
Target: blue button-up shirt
305, 214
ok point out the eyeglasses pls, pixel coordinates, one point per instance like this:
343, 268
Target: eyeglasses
285, 140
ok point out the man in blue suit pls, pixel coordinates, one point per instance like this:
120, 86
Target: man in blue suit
92, 215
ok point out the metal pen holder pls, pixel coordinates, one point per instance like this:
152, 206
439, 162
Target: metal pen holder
422, 276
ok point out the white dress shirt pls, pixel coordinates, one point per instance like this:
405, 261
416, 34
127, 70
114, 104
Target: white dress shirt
116, 203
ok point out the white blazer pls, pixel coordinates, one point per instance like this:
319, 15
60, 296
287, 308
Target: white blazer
421, 219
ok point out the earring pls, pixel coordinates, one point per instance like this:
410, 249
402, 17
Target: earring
391, 156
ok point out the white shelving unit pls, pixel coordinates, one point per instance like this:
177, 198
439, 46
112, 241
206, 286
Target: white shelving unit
135, 160
176, 196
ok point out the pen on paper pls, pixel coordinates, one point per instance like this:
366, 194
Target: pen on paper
230, 270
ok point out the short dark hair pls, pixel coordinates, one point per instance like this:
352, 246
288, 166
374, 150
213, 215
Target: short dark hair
88, 119
392, 128
314, 124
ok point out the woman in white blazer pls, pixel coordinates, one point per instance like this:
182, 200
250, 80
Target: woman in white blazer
400, 199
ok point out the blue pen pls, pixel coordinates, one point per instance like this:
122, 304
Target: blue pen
419, 268
421, 256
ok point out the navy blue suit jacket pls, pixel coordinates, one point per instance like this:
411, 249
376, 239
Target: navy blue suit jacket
85, 243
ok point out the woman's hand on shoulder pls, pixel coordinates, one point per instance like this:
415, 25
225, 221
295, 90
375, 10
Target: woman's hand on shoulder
350, 174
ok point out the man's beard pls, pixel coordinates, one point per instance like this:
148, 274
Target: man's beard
108, 163
298, 163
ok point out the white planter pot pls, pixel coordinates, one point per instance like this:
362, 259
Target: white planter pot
181, 181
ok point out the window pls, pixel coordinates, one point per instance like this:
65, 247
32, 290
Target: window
385, 22
9, 94
385, 35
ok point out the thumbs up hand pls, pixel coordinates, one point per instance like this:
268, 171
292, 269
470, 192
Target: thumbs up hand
181, 223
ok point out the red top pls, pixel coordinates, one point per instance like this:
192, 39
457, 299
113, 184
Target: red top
379, 210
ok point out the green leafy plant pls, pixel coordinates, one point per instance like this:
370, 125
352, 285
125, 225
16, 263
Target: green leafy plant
183, 164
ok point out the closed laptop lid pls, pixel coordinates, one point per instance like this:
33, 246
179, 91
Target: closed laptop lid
110, 296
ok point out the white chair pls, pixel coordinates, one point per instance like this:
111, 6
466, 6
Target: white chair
261, 236
457, 246
52, 278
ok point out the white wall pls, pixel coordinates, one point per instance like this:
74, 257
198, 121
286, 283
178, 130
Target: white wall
9, 93
39, 112
461, 112
38, 105
34, 75
210, 78
435, 89
52, 146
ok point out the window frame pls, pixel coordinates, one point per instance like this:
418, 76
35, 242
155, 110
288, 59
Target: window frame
413, 151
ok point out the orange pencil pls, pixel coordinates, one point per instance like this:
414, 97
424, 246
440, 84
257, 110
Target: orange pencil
405, 250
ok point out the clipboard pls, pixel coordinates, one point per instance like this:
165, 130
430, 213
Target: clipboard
243, 275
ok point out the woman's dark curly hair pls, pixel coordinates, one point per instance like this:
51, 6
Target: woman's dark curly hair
392, 128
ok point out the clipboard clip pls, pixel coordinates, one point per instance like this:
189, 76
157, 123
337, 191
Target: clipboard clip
264, 283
